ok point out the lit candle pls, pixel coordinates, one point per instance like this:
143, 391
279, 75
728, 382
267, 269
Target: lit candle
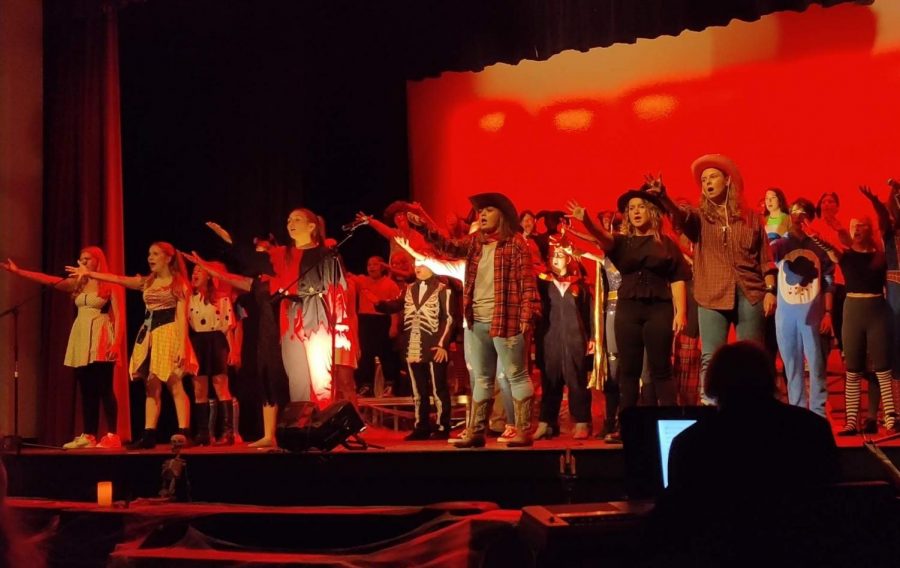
104, 493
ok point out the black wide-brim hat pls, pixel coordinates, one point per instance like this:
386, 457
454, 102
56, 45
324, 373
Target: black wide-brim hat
501, 202
393, 209
622, 202
552, 217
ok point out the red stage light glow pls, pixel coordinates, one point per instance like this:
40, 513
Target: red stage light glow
803, 101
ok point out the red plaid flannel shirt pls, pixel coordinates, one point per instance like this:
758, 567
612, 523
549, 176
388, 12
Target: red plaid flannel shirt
516, 300
726, 257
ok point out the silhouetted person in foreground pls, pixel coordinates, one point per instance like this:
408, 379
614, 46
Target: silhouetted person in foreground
736, 478
15, 549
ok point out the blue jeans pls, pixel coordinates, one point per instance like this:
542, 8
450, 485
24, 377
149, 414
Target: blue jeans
502, 381
486, 353
749, 324
797, 338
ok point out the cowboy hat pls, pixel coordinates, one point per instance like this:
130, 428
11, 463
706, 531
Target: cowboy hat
622, 202
501, 202
722, 163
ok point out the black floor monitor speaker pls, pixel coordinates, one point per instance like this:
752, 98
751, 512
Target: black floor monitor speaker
324, 430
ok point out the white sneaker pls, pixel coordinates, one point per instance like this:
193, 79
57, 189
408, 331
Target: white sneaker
508, 434
81, 442
459, 438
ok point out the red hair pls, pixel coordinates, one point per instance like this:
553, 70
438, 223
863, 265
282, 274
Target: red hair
181, 283
104, 289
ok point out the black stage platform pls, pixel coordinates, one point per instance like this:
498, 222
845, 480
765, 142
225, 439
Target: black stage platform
404, 473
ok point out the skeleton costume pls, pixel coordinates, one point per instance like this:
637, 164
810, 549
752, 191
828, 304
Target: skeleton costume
428, 323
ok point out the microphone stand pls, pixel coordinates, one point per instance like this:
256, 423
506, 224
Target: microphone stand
15, 442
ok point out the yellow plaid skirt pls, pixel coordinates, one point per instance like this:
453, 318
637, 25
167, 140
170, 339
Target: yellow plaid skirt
155, 355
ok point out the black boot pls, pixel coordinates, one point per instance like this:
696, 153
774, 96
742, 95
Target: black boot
201, 411
147, 441
226, 409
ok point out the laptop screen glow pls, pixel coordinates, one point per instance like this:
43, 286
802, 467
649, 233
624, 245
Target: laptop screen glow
667, 430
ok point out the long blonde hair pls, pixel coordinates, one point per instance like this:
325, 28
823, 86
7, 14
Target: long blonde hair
656, 221
734, 203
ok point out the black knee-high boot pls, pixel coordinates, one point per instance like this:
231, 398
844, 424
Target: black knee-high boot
201, 412
226, 409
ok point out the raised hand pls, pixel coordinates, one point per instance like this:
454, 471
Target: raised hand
218, 230
654, 184
867, 192
9, 265
576, 210
362, 217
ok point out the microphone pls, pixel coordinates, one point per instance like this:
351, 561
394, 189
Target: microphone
355, 225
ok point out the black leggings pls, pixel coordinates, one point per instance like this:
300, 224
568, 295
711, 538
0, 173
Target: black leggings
867, 331
96, 383
644, 324
375, 341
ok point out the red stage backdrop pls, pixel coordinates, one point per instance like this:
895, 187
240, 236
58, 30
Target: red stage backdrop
804, 101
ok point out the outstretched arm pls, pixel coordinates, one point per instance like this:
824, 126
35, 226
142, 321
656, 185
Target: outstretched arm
604, 238
66, 284
132, 282
884, 217
242, 283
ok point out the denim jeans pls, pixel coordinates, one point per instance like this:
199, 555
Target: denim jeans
796, 339
484, 355
749, 324
502, 381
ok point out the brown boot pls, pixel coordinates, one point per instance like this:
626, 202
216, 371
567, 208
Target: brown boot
475, 429
524, 409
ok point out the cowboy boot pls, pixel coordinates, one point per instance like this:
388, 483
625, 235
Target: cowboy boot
201, 411
524, 410
478, 423
226, 407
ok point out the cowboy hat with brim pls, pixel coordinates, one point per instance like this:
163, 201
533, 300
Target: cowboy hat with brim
501, 202
622, 202
394, 208
722, 163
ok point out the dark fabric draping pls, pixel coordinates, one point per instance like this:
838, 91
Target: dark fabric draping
82, 186
469, 35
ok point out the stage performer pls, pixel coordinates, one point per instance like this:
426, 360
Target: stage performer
833, 231
892, 252
270, 371
778, 221
396, 213
211, 317
652, 299
92, 350
867, 316
500, 303
428, 329
565, 333
376, 330
805, 275
609, 281
310, 276
734, 280
162, 351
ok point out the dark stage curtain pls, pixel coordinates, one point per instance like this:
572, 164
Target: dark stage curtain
82, 185
468, 35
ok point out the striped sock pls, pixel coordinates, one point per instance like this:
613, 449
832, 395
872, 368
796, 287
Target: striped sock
851, 400
887, 398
